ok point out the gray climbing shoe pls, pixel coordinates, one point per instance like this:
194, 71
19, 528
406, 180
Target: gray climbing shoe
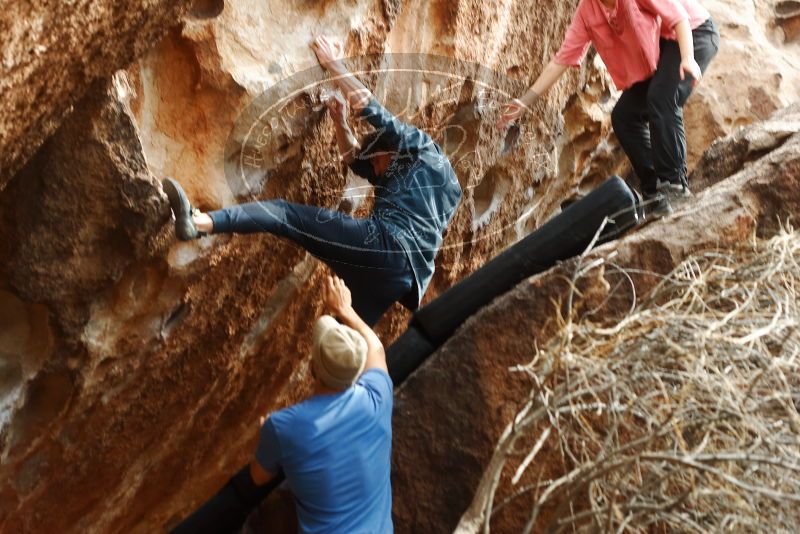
179, 202
656, 205
676, 193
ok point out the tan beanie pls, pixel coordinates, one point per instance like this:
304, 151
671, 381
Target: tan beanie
338, 354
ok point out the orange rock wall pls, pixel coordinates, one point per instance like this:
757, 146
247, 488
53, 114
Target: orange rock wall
133, 368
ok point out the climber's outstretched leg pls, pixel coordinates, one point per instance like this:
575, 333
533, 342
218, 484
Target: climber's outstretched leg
329, 235
361, 251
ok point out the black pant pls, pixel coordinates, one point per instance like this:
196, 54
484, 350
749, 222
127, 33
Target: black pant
228, 509
648, 118
359, 250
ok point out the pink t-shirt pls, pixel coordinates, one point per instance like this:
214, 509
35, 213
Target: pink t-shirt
627, 36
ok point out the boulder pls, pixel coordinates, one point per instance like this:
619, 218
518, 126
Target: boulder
138, 366
755, 73
451, 413
53, 51
133, 368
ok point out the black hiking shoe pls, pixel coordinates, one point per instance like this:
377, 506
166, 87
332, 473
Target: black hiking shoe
179, 202
676, 193
656, 205
625, 219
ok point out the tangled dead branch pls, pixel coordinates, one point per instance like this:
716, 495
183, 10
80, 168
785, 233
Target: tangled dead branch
681, 417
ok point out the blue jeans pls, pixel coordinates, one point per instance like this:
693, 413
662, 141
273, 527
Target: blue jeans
360, 251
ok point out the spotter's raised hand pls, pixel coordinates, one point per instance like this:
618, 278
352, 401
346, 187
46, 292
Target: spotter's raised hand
337, 295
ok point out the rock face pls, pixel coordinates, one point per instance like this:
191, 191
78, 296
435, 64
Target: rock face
748, 143
52, 51
755, 73
133, 368
787, 15
137, 367
451, 413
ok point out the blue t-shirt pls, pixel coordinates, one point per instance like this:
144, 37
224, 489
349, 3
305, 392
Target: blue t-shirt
418, 195
335, 451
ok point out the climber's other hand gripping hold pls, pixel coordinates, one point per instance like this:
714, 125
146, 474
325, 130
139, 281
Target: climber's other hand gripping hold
337, 108
345, 139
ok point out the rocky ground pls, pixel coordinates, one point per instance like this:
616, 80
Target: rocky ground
134, 368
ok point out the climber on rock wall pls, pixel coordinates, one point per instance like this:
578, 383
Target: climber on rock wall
656, 51
384, 258
334, 448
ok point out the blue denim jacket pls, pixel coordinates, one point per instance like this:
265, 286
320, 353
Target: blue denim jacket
416, 198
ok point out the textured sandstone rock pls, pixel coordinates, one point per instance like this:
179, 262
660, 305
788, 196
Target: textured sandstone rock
133, 368
95, 199
787, 15
449, 415
79, 215
754, 74
140, 365
52, 51
747, 143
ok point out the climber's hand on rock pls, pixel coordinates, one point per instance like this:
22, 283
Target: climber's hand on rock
337, 296
512, 110
691, 68
329, 52
337, 107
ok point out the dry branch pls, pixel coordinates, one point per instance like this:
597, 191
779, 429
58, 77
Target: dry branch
682, 416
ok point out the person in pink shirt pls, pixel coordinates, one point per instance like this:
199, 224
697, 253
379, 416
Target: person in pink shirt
655, 51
